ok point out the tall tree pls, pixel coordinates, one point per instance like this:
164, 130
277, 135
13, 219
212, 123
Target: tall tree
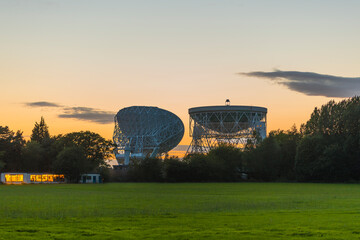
11, 145
40, 131
335, 118
330, 150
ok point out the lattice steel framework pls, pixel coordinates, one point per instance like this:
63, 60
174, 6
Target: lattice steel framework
146, 131
235, 125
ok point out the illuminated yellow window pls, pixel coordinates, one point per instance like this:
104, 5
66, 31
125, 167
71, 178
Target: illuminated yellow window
50, 178
33, 178
38, 178
14, 177
7, 178
20, 178
44, 178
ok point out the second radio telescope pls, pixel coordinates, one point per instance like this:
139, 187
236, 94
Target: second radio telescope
211, 126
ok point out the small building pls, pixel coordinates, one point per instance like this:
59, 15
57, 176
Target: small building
90, 178
26, 178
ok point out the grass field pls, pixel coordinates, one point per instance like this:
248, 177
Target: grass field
180, 211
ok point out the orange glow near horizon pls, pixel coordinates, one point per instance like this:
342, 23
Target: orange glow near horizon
281, 115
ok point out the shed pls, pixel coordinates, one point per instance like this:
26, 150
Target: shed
91, 178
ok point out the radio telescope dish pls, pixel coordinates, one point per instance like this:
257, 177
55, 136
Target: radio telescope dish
211, 126
142, 131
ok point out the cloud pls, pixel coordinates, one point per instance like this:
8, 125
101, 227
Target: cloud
88, 114
312, 84
42, 104
79, 113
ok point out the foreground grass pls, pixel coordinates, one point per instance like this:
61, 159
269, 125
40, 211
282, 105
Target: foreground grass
181, 211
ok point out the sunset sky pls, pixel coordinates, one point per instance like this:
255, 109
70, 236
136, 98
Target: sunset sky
78, 62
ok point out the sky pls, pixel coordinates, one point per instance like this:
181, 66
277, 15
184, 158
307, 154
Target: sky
78, 62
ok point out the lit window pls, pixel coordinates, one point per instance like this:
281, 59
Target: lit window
38, 178
33, 178
7, 178
44, 178
62, 178
50, 178
14, 177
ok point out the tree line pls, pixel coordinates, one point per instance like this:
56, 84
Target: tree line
325, 149
71, 154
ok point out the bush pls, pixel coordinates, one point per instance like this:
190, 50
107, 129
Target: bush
146, 170
175, 170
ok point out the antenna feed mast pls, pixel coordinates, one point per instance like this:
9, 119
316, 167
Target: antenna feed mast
227, 102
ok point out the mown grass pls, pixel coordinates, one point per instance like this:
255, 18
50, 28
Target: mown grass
181, 211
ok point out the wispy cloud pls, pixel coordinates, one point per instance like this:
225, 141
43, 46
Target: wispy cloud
42, 104
79, 113
88, 114
313, 84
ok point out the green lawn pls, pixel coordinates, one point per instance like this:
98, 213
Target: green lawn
180, 211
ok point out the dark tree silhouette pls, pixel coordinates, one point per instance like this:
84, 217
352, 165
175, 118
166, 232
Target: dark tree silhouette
11, 145
96, 148
330, 150
71, 162
40, 131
